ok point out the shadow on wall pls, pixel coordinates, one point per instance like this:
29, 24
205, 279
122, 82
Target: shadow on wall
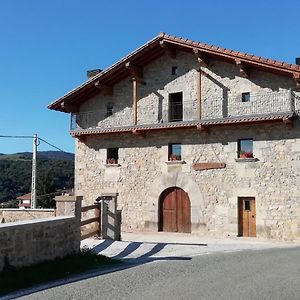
271, 132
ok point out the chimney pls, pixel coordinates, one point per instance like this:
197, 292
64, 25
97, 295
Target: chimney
92, 73
298, 61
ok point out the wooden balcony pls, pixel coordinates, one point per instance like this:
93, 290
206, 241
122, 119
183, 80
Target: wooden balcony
163, 114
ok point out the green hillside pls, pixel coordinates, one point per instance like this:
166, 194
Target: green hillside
15, 173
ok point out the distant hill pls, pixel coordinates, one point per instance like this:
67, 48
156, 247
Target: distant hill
15, 172
51, 155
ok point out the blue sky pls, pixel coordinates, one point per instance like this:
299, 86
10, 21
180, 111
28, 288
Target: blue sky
47, 46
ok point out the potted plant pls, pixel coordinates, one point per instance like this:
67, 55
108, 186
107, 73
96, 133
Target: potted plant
111, 161
174, 157
244, 154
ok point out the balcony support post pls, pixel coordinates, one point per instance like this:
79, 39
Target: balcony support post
134, 101
198, 91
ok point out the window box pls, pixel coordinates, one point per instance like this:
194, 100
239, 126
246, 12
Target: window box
175, 162
247, 159
244, 154
112, 165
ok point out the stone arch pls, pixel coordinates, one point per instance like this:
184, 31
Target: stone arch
182, 181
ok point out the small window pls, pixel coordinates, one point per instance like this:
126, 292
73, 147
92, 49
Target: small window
247, 205
246, 97
174, 70
245, 148
109, 109
112, 156
174, 152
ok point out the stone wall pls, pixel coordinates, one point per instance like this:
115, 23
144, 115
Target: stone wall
29, 242
15, 214
221, 93
142, 175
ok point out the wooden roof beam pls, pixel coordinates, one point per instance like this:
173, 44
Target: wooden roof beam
202, 128
136, 72
169, 50
106, 90
297, 80
288, 122
244, 71
69, 107
138, 133
203, 59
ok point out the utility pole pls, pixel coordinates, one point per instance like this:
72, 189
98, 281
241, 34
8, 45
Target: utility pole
33, 178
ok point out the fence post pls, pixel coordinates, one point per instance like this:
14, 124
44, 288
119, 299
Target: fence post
68, 206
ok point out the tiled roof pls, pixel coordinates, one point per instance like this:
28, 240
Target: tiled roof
119, 66
241, 55
25, 197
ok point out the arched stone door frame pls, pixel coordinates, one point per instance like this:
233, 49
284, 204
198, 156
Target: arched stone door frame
182, 181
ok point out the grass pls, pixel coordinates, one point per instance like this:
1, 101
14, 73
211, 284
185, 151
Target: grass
12, 279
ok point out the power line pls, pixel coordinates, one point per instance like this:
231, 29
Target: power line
51, 145
31, 137
17, 136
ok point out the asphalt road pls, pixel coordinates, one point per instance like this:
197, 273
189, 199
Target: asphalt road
255, 274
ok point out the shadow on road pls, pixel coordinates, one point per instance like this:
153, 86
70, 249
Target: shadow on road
125, 262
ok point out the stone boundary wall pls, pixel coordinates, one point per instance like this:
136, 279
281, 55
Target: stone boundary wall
16, 214
29, 242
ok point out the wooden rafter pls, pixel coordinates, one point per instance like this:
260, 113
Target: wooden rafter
136, 72
244, 71
170, 51
288, 122
138, 133
202, 128
106, 90
69, 107
297, 80
203, 59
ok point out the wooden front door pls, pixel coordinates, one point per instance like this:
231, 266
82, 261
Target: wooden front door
247, 216
175, 211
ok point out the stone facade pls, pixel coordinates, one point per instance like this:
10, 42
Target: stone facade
142, 173
221, 94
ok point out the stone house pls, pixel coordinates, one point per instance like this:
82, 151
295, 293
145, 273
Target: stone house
191, 138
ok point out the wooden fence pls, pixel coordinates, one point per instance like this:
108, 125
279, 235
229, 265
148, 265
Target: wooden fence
94, 230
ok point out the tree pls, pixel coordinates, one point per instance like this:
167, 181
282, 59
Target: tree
44, 187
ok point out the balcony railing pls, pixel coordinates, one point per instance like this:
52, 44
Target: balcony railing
211, 108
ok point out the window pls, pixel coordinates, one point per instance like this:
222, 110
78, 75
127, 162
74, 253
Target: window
175, 107
174, 70
112, 156
247, 205
245, 148
246, 97
109, 109
174, 152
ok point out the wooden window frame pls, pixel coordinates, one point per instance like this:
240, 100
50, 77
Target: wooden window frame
109, 110
174, 70
245, 96
240, 152
112, 156
171, 155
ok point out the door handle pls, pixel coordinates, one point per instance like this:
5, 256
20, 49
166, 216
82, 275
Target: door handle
253, 216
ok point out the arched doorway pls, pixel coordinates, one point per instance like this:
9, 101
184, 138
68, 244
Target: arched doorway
174, 211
